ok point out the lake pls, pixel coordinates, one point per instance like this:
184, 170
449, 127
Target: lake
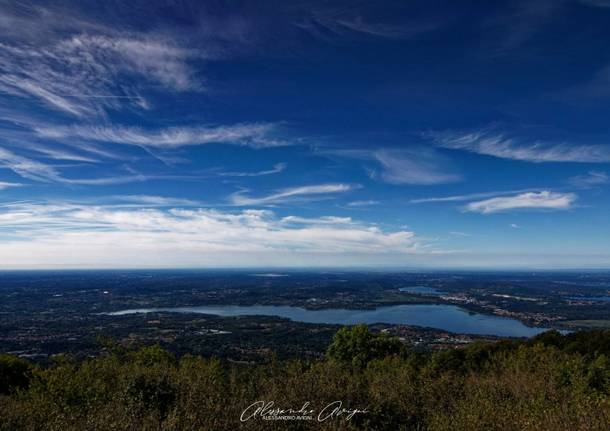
422, 290
591, 298
446, 317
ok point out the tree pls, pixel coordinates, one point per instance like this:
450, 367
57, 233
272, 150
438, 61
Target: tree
358, 346
14, 373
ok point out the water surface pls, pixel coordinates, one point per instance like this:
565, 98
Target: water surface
440, 316
422, 290
591, 298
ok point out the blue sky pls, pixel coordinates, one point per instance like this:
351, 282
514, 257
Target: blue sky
305, 133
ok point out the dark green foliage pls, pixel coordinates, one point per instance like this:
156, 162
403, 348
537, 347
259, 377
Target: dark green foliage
151, 392
152, 356
594, 342
15, 373
358, 346
549, 383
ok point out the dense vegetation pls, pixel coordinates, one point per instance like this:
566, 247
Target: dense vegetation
552, 382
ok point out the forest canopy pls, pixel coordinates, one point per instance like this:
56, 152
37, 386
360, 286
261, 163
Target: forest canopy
550, 382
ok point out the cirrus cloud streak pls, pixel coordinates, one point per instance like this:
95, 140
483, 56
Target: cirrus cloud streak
292, 194
499, 145
545, 199
248, 134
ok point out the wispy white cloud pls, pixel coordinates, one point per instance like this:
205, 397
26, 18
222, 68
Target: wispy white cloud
28, 168
152, 200
494, 144
532, 200
458, 233
61, 154
421, 167
467, 197
330, 20
293, 194
157, 59
514, 226
592, 179
26, 21
106, 181
38, 171
365, 203
417, 165
49, 234
389, 31
7, 185
257, 135
277, 168
24, 86
84, 68
342, 26
332, 220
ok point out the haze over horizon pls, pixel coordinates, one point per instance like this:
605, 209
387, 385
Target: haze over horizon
304, 134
